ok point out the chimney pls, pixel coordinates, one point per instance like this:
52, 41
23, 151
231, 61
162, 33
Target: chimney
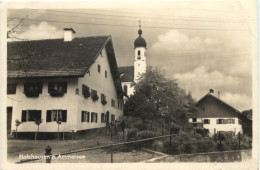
69, 34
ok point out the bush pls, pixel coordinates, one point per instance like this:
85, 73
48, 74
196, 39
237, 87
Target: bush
144, 135
206, 145
203, 132
182, 143
131, 134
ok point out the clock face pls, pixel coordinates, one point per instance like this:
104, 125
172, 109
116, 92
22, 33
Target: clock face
138, 58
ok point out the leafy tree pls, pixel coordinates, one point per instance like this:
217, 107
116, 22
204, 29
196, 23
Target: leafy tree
17, 123
248, 113
157, 97
38, 122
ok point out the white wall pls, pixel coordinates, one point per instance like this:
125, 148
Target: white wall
44, 102
99, 82
130, 89
221, 127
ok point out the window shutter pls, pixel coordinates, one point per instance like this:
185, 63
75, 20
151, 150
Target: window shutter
24, 116
25, 87
87, 116
64, 86
40, 87
64, 115
83, 89
92, 116
48, 117
96, 117
50, 87
82, 116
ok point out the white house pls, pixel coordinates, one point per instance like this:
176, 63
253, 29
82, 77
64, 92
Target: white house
71, 80
216, 116
130, 74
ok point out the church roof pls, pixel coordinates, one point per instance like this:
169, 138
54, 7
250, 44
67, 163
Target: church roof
140, 42
126, 73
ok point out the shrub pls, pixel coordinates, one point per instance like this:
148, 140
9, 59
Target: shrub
131, 134
182, 143
144, 135
206, 145
203, 132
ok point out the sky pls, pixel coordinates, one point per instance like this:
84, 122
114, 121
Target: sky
205, 45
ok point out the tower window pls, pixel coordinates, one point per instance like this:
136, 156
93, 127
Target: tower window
106, 74
139, 52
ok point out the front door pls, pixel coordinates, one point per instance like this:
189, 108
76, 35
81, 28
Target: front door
9, 119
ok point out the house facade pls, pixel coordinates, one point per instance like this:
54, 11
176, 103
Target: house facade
72, 84
216, 116
131, 74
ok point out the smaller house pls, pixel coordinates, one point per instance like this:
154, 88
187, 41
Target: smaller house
217, 116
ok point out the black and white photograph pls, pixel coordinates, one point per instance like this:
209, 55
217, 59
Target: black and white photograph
170, 83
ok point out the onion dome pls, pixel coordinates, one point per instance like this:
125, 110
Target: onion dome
140, 42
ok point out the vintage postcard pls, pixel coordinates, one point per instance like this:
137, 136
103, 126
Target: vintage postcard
135, 85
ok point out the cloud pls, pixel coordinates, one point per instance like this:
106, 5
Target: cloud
201, 79
41, 31
239, 101
204, 78
175, 41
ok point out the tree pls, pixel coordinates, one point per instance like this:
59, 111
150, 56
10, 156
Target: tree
248, 113
157, 97
58, 122
17, 123
38, 122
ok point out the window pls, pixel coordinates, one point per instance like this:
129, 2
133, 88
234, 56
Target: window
230, 121
57, 88
112, 117
11, 88
220, 121
56, 115
85, 91
84, 116
125, 89
103, 99
194, 119
206, 121
113, 103
139, 52
99, 68
106, 74
94, 95
32, 89
94, 117
103, 120
31, 115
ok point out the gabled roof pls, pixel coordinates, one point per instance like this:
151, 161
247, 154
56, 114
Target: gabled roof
209, 95
56, 58
221, 101
127, 73
50, 58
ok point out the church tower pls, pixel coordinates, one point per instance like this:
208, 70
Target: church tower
140, 58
